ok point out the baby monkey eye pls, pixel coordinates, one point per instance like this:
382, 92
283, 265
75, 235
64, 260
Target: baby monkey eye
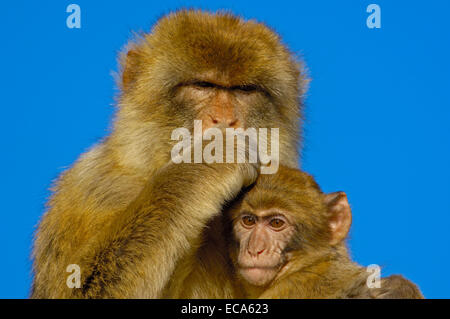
276, 223
248, 220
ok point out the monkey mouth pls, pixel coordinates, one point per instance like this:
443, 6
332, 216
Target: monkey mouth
263, 268
258, 275
259, 264
256, 267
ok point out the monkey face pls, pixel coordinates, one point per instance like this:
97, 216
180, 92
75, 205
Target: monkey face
283, 223
263, 237
211, 67
216, 103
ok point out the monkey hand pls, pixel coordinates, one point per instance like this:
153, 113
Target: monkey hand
245, 162
235, 153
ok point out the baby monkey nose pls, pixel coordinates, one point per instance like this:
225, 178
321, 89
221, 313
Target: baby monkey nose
256, 252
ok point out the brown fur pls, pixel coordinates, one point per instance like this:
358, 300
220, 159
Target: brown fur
130, 219
317, 262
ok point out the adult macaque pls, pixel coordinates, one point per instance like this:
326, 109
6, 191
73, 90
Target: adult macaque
288, 242
131, 219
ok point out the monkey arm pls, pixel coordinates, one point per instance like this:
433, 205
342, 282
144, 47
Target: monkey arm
205, 272
140, 249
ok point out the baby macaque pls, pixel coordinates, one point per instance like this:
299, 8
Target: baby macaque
289, 242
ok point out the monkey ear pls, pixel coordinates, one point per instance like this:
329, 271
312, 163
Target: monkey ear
130, 67
340, 216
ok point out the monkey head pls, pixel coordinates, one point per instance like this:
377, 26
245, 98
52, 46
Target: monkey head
214, 67
283, 224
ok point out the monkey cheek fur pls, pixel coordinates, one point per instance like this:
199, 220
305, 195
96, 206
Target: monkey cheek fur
258, 276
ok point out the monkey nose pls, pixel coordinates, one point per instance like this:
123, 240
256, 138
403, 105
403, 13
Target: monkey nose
232, 122
226, 121
256, 252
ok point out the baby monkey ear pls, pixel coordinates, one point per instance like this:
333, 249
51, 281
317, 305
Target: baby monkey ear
340, 216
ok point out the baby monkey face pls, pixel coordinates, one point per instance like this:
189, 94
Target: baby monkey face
283, 221
263, 236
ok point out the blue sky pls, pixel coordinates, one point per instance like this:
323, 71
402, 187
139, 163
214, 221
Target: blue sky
377, 126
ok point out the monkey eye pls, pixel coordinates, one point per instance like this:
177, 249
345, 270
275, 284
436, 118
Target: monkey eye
248, 220
276, 223
204, 84
245, 88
